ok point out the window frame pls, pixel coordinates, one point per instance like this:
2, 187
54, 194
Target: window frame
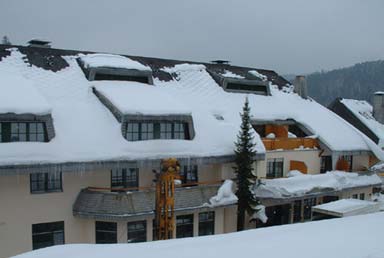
125, 183
10, 131
207, 225
160, 130
272, 165
106, 231
50, 233
137, 235
184, 226
45, 182
307, 208
189, 174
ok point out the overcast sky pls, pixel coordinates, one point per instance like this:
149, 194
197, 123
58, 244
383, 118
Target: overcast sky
296, 36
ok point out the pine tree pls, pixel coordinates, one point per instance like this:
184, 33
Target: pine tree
5, 41
245, 153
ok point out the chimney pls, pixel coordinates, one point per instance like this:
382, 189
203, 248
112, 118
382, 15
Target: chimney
39, 43
378, 106
300, 86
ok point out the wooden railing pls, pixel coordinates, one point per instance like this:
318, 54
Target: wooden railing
289, 143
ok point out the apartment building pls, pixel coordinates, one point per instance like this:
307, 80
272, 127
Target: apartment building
82, 133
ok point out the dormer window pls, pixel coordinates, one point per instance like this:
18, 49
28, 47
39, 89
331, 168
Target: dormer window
23, 132
105, 67
247, 83
148, 130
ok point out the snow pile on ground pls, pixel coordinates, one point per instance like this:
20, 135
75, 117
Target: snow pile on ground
225, 195
140, 98
348, 207
379, 197
294, 173
364, 111
305, 184
19, 96
112, 61
351, 237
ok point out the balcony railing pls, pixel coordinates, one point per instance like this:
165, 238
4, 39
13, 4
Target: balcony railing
290, 143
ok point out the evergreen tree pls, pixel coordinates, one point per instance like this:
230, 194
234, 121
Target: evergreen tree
5, 41
245, 153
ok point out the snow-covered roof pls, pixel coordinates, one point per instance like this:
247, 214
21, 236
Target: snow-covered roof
347, 207
20, 96
129, 98
87, 131
351, 237
364, 112
112, 61
302, 184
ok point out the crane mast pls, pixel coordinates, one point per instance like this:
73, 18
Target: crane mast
165, 198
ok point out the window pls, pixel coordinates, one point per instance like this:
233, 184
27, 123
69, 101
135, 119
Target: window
179, 131
106, 232
207, 223
125, 178
22, 132
326, 164
355, 196
297, 211
349, 160
47, 234
147, 131
257, 89
362, 196
140, 131
18, 132
189, 174
133, 132
308, 203
46, 182
117, 77
165, 130
275, 168
137, 231
184, 226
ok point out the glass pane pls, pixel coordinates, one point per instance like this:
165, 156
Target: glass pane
22, 127
40, 128
32, 137
32, 128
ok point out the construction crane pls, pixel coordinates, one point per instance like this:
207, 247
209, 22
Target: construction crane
165, 198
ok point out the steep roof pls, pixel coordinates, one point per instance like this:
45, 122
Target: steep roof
360, 114
87, 131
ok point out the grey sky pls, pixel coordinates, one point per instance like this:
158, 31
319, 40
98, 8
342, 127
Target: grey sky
296, 36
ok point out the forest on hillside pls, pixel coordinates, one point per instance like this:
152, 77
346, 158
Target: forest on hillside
357, 82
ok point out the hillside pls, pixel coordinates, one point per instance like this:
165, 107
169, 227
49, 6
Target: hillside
358, 82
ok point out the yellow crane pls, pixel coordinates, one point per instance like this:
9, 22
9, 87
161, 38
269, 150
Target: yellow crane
165, 198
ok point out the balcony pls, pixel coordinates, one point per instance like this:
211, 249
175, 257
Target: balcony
289, 143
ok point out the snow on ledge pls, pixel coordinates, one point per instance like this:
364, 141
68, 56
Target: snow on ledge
348, 207
225, 195
184, 67
19, 96
112, 61
232, 75
305, 184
